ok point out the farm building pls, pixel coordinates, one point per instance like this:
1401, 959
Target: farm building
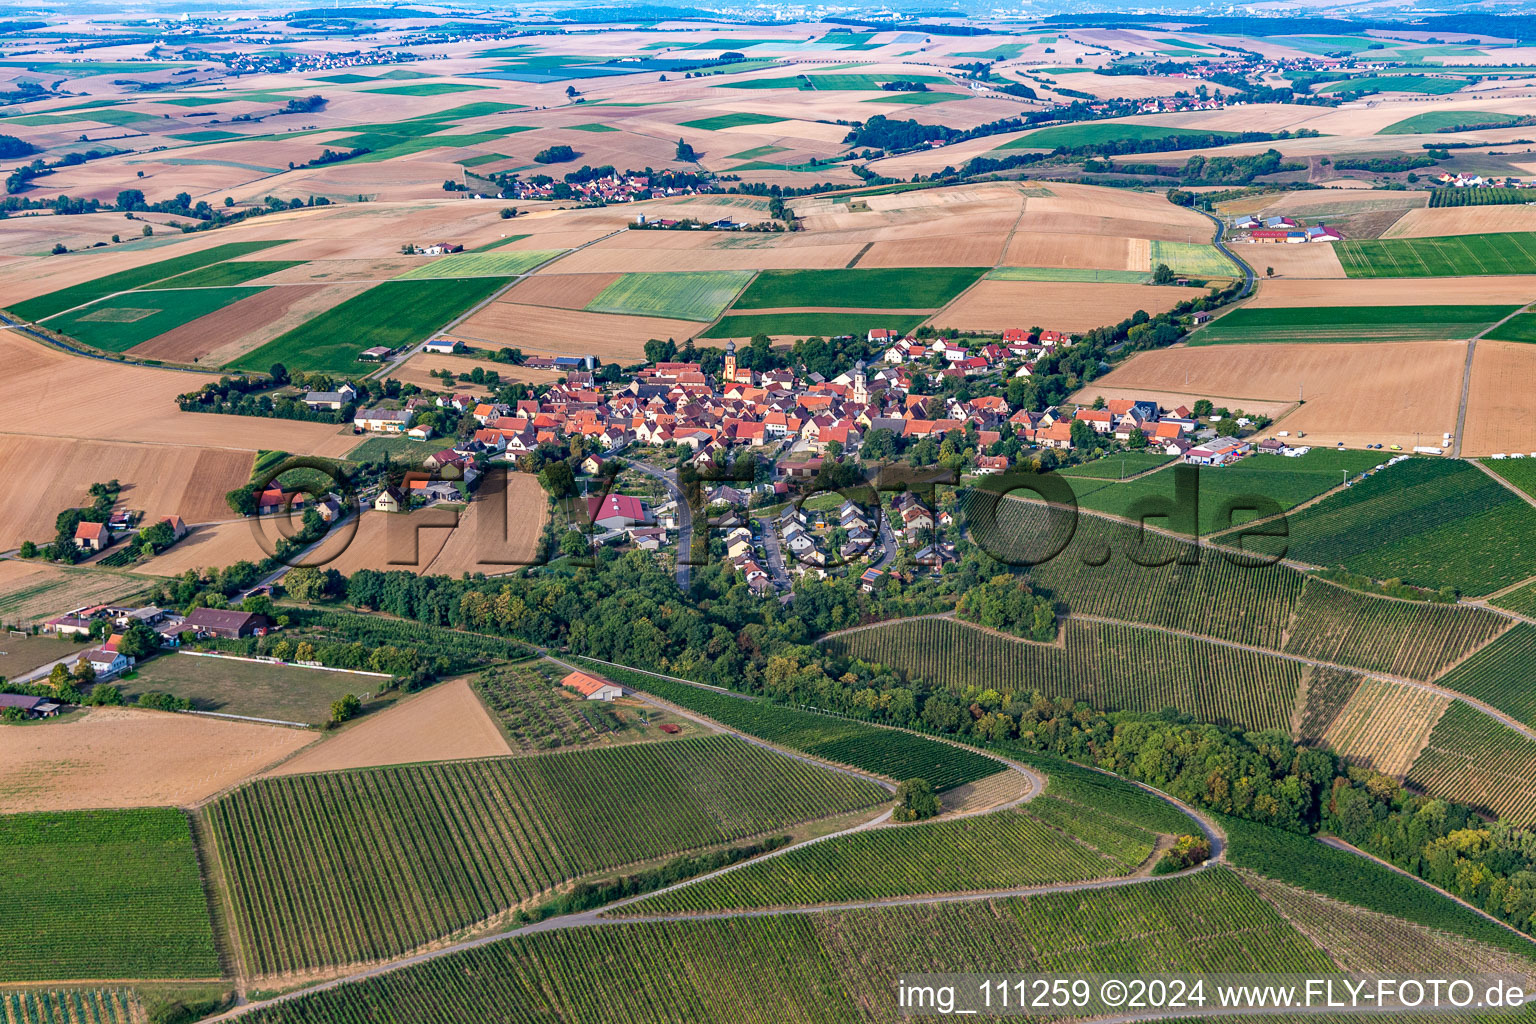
1217, 452
385, 421
93, 536
68, 625
442, 346
592, 687
224, 622
105, 662
31, 707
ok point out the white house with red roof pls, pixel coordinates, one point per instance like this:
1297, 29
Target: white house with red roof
617, 511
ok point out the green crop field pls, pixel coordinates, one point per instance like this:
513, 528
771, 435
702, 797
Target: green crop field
212, 135
1117, 466
1519, 328
1397, 83
428, 89
126, 900
1521, 601
919, 99
480, 264
1476, 760
1193, 259
78, 295
1427, 522
896, 755
1511, 252
895, 288
394, 313
123, 321
452, 844
696, 295
811, 325
833, 82
734, 120
33, 1005
1115, 667
1416, 639
282, 692
1348, 323
221, 275
1091, 133
1445, 120
1068, 274
1003, 850
1338, 874
834, 967
1500, 674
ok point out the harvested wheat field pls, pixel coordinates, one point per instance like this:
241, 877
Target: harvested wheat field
549, 331
1311, 260
1096, 252
1447, 291
48, 475
1463, 220
1362, 393
308, 304
33, 591
331, 271
1501, 400
1386, 726
490, 543
45, 388
212, 547
445, 723
735, 253
937, 251
1071, 306
386, 541
418, 370
191, 341
563, 291
122, 757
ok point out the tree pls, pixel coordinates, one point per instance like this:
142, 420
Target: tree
58, 677
278, 373
159, 536
1269, 271
558, 479
1203, 407
305, 583
241, 501
1084, 436
229, 201
573, 544
1162, 274
85, 673
138, 641
105, 695
685, 151
28, 549
130, 199
148, 231
346, 708
915, 801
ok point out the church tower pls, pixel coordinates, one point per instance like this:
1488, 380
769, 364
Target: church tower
860, 384
729, 376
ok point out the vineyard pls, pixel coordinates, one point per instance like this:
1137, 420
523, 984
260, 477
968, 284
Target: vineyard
1385, 725
1106, 794
1475, 760
1214, 597
888, 752
1500, 674
1414, 639
1111, 666
449, 845
102, 894
1427, 522
1004, 850
1478, 197
827, 968
1325, 692
1521, 601
68, 1006
1305, 862
532, 712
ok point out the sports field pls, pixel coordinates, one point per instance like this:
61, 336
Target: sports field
123, 321
1511, 252
699, 295
1349, 323
394, 313
481, 264
884, 288
811, 325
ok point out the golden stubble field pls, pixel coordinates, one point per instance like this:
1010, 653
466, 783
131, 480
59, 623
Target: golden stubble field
1501, 416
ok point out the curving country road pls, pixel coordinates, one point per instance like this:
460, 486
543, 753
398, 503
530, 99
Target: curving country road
1221, 229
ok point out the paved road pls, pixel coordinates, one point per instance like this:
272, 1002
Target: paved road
1221, 230
668, 480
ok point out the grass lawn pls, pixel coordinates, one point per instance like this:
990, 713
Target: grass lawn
810, 325
256, 689
127, 901
394, 313
1118, 465
1287, 482
399, 449
138, 277
1348, 323
480, 264
1445, 120
1397, 83
1093, 132
21, 654
733, 120
222, 274
118, 323
1519, 328
874, 288
1068, 274
1512, 252
1193, 259
698, 295
428, 89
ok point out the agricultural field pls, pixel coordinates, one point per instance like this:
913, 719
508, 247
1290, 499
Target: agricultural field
1446, 120
1071, 136
1518, 328
461, 265
1507, 253
685, 296
1428, 522
896, 755
1474, 759
285, 693
492, 834
33, 591
536, 714
1499, 674
833, 967
1192, 259
1349, 324
33, 1005
1396, 83
129, 904
393, 314
119, 323
1415, 639
882, 288
1117, 466
1073, 274
810, 325
1006, 849
1386, 725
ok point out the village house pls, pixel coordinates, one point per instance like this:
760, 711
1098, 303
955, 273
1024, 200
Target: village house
390, 499
227, 623
331, 400
384, 421
93, 536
